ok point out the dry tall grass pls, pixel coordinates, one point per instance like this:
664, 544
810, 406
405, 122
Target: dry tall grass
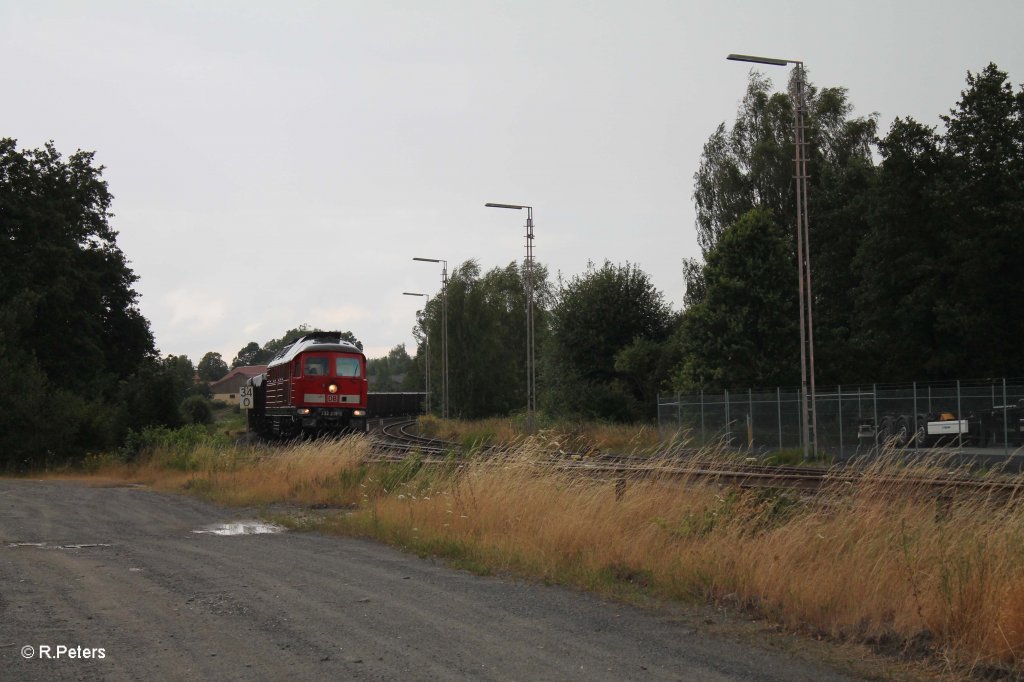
322, 473
885, 560
570, 436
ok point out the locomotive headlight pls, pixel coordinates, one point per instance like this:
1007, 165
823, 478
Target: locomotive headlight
358, 413
303, 410
333, 388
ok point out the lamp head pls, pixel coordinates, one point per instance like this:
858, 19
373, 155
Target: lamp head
771, 61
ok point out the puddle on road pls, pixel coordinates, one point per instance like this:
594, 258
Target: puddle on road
240, 528
46, 545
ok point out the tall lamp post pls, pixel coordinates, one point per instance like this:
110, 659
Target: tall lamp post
808, 413
426, 371
531, 366
444, 331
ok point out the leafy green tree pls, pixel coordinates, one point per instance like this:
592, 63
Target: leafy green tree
751, 166
151, 396
941, 264
388, 373
486, 338
985, 148
70, 328
906, 282
842, 186
59, 258
212, 367
197, 410
183, 370
746, 166
599, 315
251, 354
744, 331
25, 437
646, 366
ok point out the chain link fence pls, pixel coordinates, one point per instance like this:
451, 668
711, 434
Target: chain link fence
767, 420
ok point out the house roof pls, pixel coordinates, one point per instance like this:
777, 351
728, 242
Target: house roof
243, 373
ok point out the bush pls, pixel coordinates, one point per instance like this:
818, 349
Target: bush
197, 410
177, 441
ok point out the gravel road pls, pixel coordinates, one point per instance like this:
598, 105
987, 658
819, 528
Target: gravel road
120, 569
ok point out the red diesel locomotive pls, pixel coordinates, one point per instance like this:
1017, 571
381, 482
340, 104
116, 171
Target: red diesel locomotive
315, 385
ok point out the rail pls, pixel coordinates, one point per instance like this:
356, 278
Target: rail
393, 441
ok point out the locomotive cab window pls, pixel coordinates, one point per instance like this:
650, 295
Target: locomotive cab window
315, 367
346, 367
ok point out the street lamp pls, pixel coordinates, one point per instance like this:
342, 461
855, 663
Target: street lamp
444, 332
808, 415
426, 371
531, 366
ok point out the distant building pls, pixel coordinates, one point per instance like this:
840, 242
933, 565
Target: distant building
226, 388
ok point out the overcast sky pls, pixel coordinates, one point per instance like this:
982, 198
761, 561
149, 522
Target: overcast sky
279, 163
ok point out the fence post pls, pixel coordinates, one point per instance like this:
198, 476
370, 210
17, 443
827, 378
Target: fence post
959, 416
679, 411
659, 416
913, 423
750, 419
839, 401
1006, 426
728, 422
874, 398
703, 440
778, 402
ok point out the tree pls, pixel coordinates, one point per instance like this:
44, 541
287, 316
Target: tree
599, 315
151, 396
985, 150
70, 328
486, 338
751, 166
197, 410
183, 371
941, 263
251, 354
747, 166
916, 261
389, 372
26, 439
905, 280
59, 258
212, 367
646, 366
744, 331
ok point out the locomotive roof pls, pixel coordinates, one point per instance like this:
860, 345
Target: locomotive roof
315, 341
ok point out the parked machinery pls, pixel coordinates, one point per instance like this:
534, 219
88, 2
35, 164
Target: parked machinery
1001, 424
1005, 419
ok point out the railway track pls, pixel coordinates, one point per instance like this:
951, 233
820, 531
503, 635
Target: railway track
393, 440
392, 436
